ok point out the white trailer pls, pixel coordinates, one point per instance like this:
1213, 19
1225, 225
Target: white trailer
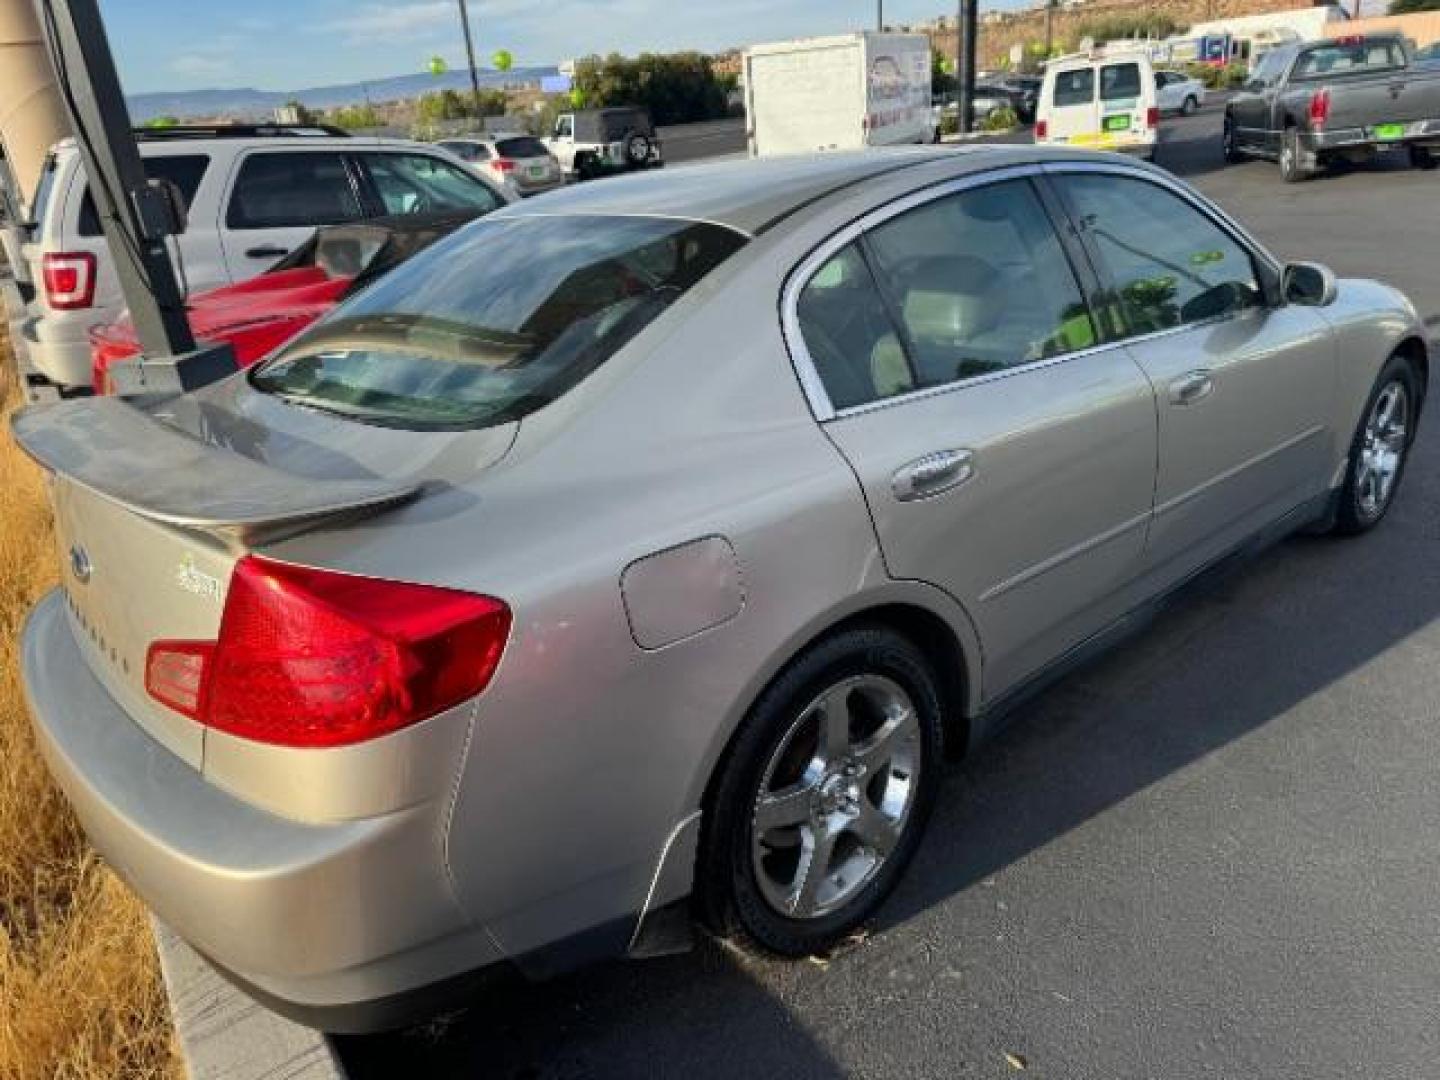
838, 93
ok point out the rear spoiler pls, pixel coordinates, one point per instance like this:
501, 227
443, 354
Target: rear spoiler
116, 449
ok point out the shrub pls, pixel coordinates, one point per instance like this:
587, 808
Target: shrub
1003, 119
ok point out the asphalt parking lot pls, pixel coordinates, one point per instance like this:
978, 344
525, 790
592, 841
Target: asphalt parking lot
1212, 854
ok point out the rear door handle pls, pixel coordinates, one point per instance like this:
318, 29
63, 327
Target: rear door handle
1192, 388
933, 474
271, 252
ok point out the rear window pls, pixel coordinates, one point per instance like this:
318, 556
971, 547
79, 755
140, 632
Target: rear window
497, 321
525, 147
1348, 58
1075, 87
185, 171
1120, 82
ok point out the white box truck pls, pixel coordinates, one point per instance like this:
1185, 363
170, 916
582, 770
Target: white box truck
838, 93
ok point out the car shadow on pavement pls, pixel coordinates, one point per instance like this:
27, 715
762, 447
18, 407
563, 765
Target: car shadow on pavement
695, 1016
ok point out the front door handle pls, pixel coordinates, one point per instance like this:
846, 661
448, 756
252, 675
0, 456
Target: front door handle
933, 474
270, 252
1192, 388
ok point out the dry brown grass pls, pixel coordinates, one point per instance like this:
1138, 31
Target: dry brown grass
80, 991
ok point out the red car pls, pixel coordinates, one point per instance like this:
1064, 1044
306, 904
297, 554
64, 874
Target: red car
258, 316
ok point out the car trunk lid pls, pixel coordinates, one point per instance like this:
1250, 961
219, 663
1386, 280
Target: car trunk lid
154, 504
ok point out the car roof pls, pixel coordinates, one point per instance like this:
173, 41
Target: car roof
752, 195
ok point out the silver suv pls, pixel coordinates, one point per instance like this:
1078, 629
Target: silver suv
254, 194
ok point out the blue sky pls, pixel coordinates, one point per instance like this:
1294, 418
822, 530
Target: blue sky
293, 44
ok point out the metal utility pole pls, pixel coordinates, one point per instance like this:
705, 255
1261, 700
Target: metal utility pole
135, 216
879, 14
470, 53
967, 29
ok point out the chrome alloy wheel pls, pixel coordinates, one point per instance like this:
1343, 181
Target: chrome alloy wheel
1382, 450
836, 796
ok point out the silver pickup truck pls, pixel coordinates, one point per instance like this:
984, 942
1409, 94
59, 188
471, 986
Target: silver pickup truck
1309, 104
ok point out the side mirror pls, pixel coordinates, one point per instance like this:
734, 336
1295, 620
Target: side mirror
1308, 284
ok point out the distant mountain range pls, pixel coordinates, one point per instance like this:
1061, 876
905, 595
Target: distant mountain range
250, 104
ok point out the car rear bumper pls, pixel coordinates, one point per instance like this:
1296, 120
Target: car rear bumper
1357, 138
344, 925
58, 350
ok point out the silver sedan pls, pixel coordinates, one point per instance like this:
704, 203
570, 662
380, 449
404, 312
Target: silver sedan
637, 558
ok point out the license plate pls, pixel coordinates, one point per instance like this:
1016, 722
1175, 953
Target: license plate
1389, 132
1117, 123
537, 172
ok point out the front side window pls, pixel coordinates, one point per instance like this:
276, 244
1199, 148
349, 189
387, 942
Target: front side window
1168, 263
496, 321
1120, 82
185, 171
420, 184
968, 285
1075, 87
565, 127
293, 190
1271, 67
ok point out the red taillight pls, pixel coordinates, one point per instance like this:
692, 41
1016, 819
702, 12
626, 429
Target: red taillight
504, 165
1042, 129
69, 280
1152, 117
314, 658
1319, 108
1350, 40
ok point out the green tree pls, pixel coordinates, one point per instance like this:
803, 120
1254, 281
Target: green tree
942, 73
677, 88
356, 117
1410, 7
161, 122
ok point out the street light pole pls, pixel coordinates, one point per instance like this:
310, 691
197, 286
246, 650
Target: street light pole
966, 29
879, 14
470, 53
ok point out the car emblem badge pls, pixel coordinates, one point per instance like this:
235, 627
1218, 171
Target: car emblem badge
194, 580
80, 564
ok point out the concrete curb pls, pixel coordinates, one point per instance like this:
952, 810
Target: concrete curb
223, 1034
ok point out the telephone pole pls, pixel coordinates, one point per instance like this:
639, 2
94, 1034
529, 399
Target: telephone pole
470, 54
879, 14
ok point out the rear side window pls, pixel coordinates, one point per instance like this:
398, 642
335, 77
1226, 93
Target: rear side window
526, 147
1348, 58
184, 171
1075, 87
496, 321
977, 283
420, 184
1120, 82
45, 191
292, 190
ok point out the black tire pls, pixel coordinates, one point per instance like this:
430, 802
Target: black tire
1355, 514
586, 167
730, 895
1229, 147
1422, 157
1190, 107
1296, 164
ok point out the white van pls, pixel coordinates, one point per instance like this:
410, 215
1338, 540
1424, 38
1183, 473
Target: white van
1100, 100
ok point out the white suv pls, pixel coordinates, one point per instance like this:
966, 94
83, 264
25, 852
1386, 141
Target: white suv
253, 193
